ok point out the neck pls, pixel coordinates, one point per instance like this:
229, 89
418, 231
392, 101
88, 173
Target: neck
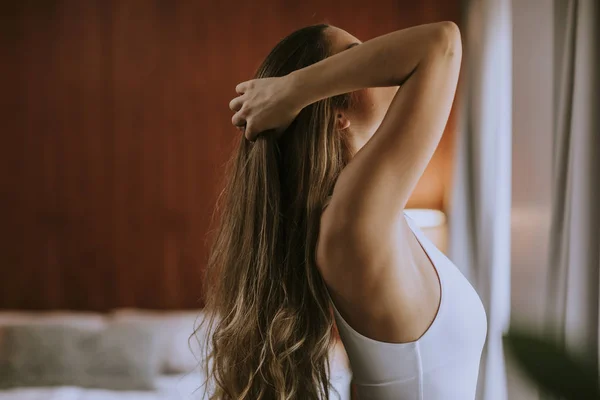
357, 141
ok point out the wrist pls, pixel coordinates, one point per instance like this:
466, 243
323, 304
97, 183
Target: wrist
297, 89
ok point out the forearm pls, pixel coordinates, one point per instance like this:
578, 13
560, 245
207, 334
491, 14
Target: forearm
383, 61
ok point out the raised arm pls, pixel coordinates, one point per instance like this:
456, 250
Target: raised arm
425, 62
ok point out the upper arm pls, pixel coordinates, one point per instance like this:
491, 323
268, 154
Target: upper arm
375, 186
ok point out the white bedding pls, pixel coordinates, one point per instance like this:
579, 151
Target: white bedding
176, 326
169, 387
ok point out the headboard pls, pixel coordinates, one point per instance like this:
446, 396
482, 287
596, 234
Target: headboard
117, 132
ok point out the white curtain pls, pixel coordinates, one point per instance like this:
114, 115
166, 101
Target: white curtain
480, 217
574, 259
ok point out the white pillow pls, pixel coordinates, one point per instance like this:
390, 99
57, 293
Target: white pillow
116, 358
83, 320
175, 328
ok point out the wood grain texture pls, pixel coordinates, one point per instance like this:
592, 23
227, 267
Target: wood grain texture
116, 128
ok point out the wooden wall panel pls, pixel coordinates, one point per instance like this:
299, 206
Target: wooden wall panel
115, 130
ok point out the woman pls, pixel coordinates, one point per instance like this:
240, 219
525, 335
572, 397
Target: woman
327, 128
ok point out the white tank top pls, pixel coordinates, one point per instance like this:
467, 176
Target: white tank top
441, 365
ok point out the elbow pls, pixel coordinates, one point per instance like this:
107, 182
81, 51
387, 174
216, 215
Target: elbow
447, 39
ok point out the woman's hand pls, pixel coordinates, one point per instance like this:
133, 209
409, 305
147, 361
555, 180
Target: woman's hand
264, 104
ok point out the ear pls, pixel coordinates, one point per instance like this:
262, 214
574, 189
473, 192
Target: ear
341, 121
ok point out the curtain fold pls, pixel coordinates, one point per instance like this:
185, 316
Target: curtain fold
574, 261
480, 206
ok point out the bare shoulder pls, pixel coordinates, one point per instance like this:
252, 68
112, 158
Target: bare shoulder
377, 278
354, 260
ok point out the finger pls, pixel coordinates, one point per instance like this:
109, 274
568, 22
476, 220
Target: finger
236, 104
238, 120
242, 87
249, 132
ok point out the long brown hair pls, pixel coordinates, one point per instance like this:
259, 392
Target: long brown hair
270, 326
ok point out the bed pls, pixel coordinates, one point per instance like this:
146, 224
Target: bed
122, 355
169, 387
